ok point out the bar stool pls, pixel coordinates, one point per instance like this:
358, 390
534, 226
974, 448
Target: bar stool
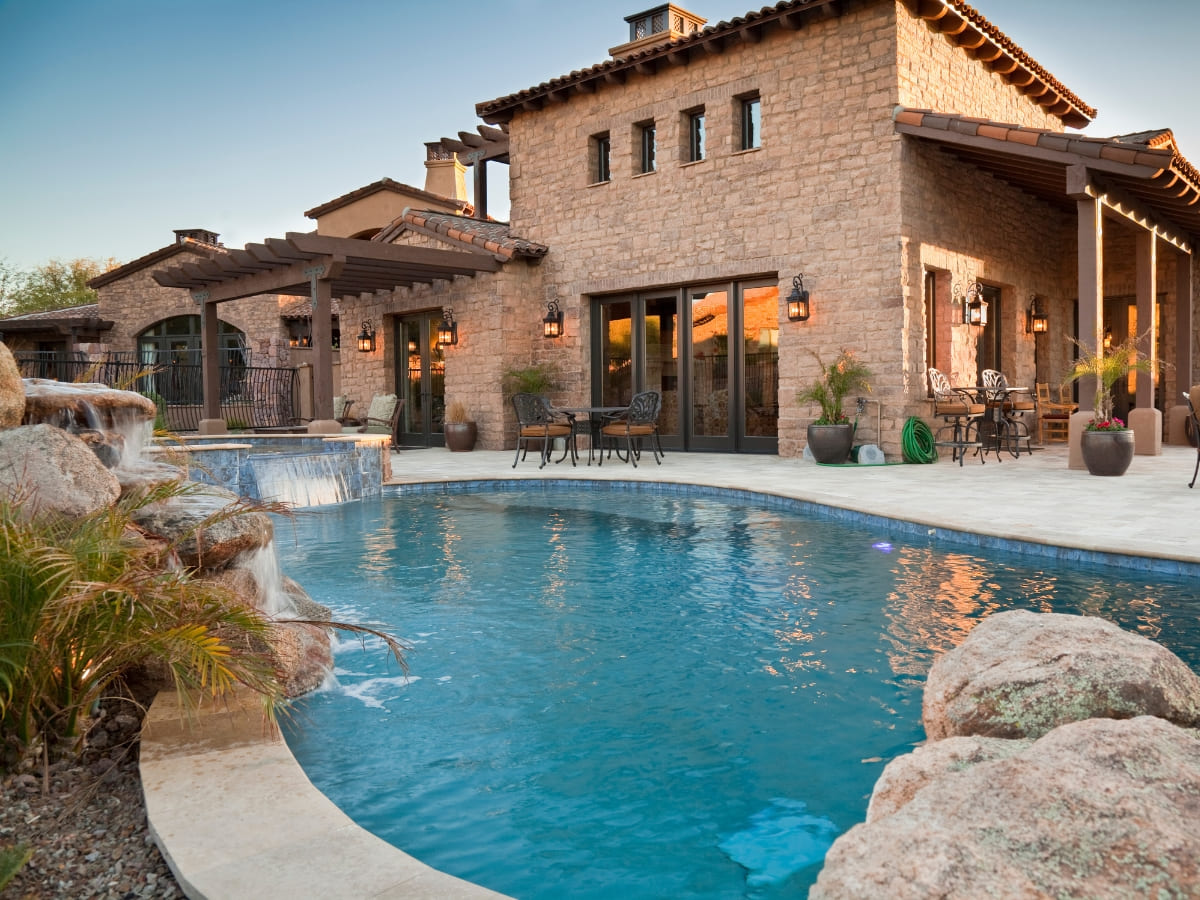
960, 413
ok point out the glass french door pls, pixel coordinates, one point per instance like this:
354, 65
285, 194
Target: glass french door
421, 379
719, 376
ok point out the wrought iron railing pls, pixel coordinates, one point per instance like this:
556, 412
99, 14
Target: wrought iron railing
251, 396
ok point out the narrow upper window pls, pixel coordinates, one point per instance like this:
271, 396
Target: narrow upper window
751, 116
695, 134
601, 158
647, 146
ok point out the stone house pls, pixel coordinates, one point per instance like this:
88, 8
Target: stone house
904, 161
904, 157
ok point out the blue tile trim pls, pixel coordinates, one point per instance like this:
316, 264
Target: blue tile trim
1157, 566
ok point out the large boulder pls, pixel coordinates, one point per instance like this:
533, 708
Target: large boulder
207, 526
93, 406
302, 655
44, 470
1101, 809
12, 390
1021, 674
905, 775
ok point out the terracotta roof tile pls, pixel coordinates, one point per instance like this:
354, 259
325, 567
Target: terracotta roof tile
484, 234
383, 184
156, 256
84, 311
1058, 100
302, 309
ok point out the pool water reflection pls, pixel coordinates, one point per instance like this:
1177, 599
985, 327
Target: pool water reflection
620, 692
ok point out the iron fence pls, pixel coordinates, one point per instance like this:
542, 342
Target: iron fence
251, 396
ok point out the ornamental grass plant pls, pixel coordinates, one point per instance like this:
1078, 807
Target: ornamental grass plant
1109, 368
844, 375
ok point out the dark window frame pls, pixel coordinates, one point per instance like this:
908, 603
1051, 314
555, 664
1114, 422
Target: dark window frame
601, 158
750, 121
696, 134
647, 150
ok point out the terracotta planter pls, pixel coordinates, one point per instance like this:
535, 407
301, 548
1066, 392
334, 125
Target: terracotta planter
830, 443
1107, 452
460, 436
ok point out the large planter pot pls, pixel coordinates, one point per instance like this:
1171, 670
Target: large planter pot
830, 443
1107, 452
460, 436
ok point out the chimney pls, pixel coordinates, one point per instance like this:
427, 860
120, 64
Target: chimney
657, 26
196, 234
444, 174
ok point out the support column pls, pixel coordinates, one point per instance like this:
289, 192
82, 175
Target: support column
1145, 419
1183, 350
481, 189
211, 420
1091, 307
322, 334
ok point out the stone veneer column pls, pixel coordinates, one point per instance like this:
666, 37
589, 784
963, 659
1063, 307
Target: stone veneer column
1178, 412
1145, 419
1091, 301
322, 334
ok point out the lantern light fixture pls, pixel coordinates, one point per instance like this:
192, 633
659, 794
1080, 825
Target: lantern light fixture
797, 303
366, 338
1036, 321
447, 329
975, 311
552, 324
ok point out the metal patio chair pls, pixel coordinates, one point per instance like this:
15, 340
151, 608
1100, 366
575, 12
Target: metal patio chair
1195, 434
536, 421
960, 413
638, 422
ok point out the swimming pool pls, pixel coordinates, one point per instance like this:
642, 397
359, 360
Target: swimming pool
628, 690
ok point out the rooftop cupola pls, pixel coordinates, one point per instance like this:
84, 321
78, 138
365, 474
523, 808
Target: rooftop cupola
657, 26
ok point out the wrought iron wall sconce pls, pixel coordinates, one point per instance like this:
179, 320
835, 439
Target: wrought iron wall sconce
797, 302
1035, 320
366, 338
552, 324
1108, 338
447, 329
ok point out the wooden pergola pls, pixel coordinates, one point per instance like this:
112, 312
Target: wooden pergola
313, 266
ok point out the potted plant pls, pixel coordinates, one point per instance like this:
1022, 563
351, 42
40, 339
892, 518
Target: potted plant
537, 378
831, 435
1107, 443
460, 432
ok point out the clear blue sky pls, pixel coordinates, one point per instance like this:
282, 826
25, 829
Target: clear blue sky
121, 120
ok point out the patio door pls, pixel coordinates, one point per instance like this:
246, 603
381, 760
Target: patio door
718, 375
421, 380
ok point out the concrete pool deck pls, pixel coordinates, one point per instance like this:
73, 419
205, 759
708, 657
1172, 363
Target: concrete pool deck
236, 817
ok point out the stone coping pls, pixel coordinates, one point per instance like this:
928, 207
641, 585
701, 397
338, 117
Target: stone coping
235, 816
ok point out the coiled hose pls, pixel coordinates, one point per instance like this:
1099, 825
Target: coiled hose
916, 442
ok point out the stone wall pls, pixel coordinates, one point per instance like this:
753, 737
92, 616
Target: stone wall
137, 302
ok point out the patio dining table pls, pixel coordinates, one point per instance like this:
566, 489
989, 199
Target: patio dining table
587, 420
1000, 430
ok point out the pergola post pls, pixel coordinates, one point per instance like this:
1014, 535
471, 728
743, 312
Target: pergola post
322, 306
1091, 302
1145, 419
211, 420
1178, 411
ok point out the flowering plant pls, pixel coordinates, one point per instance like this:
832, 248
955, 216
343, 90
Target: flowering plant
1113, 424
843, 375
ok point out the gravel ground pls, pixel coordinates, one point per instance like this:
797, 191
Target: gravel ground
88, 830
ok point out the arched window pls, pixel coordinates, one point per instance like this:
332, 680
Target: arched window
172, 349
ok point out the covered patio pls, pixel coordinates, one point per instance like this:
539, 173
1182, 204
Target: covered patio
1136, 182
319, 268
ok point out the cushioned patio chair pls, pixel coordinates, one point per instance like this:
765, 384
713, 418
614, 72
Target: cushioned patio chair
537, 422
383, 417
635, 424
1012, 405
960, 413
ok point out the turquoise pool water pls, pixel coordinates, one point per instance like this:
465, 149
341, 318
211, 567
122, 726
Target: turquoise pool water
622, 693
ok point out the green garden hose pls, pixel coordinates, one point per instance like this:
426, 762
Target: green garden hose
916, 442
